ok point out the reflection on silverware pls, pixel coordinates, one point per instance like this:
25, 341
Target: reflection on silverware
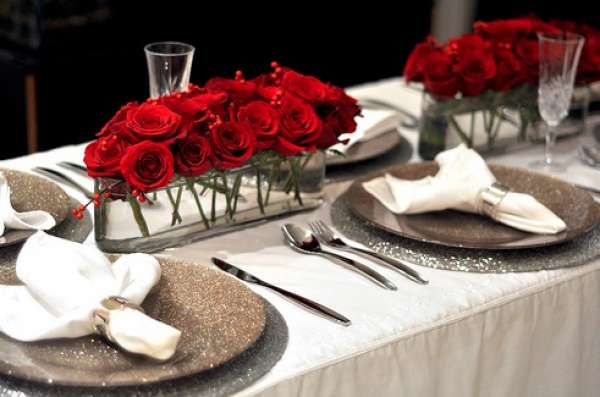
62, 178
326, 236
304, 302
305, 242
78, 168
413, 121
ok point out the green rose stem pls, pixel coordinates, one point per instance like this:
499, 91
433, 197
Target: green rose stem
227, 194
460, 131
273, 175
175, 204
138, 215
259, 197
236, 190
296, 170
213, 202
190, 184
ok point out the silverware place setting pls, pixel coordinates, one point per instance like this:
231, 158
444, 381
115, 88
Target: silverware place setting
327, 237
303, 241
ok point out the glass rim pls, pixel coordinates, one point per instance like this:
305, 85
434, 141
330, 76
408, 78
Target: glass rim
562, 36
188, 48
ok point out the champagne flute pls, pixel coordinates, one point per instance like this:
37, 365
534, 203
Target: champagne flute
559, 57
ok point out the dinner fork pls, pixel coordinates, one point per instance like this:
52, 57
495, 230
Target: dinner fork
328, 237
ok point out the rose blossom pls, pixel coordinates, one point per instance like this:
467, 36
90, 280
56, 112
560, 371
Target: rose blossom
154, 122
193, 156
309, 88
440, 78
147, 166
413, 69
238, 91
103, 156
509, 71
117, 122
300, 127
233, 143
337, 115
264, 121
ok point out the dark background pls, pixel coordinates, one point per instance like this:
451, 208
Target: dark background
86, 57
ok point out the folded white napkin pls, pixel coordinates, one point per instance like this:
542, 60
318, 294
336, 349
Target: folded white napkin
64, 283
462, 176
11, 219
373, 123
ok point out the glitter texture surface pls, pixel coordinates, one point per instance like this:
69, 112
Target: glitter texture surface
29, 192
70, 229
224, 380
459, 229
219, 318
573, 253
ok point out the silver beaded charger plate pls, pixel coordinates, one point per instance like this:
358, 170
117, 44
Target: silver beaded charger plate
575, 252
29, 192
220, 318
574, 206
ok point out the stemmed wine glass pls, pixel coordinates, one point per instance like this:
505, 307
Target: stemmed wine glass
559, 57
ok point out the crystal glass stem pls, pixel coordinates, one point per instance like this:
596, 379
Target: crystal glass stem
550, 141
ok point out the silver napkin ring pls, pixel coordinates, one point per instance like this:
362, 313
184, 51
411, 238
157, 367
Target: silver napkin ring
101, 316
490, 198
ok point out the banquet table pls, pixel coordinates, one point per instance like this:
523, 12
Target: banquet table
464, 334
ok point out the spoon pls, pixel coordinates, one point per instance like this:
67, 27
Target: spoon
304, 241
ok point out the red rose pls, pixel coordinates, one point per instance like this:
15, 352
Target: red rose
509, 30
147, 166
239, 91
193, 156
589, 67
413, 69
509, 71
528, 53
300, 127
267, 88
188, 108
439, 75
264, 121
233, 143
309, 88
103, 156
155, 122
338, 116
117, 122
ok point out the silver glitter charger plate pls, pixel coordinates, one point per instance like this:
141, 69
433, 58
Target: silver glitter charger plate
578, 251
224, 380
219, 318
574, 206
30, 192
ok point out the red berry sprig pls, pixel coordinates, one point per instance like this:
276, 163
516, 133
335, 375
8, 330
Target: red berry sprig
96, 197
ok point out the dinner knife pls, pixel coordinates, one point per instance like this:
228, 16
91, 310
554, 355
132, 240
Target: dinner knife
302, 301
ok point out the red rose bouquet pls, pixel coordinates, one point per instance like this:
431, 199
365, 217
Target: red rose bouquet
198, 137
493, 70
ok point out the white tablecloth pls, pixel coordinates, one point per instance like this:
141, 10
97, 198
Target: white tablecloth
525, 334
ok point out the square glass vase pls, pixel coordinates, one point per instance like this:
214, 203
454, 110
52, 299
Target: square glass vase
217, 202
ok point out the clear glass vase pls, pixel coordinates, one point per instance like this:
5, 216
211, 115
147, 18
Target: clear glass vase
491, 122
217, 202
